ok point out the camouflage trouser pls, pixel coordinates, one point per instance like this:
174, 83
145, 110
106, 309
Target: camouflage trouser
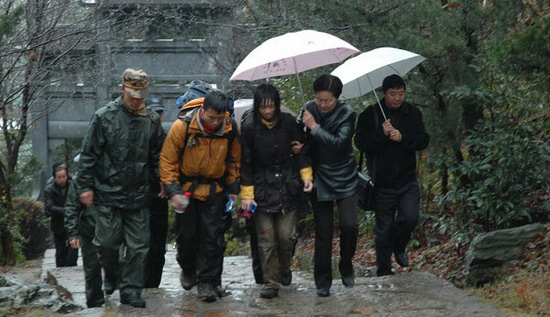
90, 260
277, 234
129, 227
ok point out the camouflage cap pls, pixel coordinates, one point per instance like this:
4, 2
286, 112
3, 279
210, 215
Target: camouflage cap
135, 82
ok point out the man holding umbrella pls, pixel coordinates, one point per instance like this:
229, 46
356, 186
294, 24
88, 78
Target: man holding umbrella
390, 146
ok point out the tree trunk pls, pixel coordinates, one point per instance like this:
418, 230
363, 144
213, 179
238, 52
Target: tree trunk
6, 238
8, 251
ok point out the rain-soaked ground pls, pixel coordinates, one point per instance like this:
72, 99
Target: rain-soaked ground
404, 294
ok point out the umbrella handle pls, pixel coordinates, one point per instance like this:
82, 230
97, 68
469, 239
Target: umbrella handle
378, 100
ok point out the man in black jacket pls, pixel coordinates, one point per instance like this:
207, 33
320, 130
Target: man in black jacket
54, 198
390, 147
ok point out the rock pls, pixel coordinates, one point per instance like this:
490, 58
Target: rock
490, 252
41, 295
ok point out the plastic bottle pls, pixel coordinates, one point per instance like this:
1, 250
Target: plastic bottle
248, 213
184, 201
230, 206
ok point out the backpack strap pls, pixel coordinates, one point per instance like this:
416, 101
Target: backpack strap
195, 181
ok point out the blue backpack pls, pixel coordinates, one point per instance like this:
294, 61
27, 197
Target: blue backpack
199, 89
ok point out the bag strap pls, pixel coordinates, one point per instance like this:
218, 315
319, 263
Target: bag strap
375, 157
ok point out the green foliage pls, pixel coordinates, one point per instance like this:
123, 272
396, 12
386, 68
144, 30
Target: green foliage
510, 164
29, 228
33, 229
9, 21
526, 53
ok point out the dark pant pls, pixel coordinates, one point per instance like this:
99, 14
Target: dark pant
256, 263
324, 228
200, 241
64, 254
117, 227
397, 211
90, 261
158, 222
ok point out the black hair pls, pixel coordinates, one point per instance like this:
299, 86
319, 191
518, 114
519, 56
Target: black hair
215, 100
393, 82
266, 92
327, 82
59, 166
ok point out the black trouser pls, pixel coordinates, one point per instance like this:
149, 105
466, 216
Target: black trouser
324, 228
397, 211
64, 254
158, 224
256, 263
90, 261
200, 240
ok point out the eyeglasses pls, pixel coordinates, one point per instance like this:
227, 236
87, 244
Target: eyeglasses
324, 101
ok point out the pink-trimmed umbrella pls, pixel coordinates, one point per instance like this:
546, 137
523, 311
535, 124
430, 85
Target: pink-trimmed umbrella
293, 53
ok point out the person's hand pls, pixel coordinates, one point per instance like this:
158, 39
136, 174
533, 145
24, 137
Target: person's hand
296, 147
308, 185
395, 135
309, 120
75, 243
387, 127
162, 194
176, 202
87, 198
245, 204
234, 197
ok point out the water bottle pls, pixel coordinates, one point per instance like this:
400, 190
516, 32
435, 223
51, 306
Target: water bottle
184, 201
230, 206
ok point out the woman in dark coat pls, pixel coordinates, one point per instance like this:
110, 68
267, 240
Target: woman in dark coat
330, 128
54, 201
273, 178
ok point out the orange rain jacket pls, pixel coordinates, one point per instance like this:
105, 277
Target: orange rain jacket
205, 156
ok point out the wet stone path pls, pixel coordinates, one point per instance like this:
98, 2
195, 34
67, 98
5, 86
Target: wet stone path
405, 294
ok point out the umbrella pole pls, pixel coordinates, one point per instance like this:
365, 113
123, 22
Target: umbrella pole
301, 90
378, 100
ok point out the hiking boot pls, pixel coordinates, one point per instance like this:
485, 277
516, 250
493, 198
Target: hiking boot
132, 300
269, 293
206, 292
109, 285
323, 292
187, 281
220, 291
286, 278
348, 281
402, 259
95, 303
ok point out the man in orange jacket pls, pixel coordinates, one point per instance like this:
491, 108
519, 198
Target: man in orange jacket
201, 155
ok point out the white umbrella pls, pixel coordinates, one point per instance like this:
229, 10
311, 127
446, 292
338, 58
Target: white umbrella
292, 53
365, 72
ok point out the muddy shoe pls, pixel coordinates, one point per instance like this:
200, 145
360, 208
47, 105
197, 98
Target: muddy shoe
187, 281
109, 286
206, 292
95, 303
323, 292
132, 300
402, 259
269, 293
220, 291
348, 281
286, 278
